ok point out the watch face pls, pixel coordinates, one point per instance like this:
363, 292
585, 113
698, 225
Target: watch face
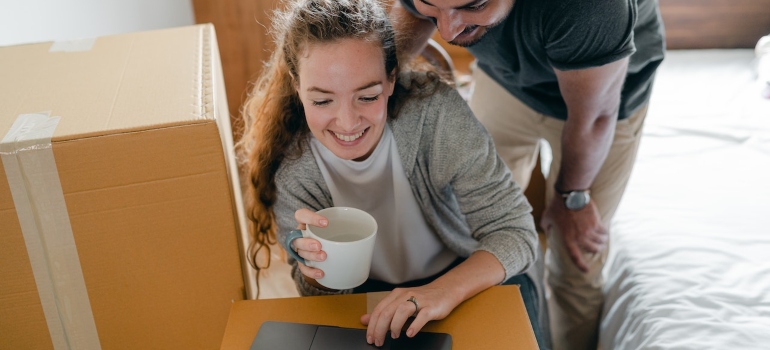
576, 200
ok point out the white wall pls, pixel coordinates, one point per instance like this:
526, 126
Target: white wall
26, 21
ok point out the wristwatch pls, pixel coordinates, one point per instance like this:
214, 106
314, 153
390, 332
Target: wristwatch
576, 200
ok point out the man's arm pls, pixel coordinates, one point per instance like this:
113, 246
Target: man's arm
412, 33
592, 96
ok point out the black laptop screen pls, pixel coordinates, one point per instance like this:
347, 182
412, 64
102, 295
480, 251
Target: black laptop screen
299, 336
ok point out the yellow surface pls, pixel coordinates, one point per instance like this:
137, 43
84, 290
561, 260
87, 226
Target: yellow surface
494, 319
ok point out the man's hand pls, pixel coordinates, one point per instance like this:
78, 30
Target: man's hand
582, 231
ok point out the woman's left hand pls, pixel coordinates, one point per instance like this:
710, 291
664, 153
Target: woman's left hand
390, 315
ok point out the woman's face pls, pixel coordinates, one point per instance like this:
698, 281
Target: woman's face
344, 90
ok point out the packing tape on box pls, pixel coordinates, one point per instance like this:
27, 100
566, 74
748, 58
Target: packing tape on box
39, 200
78, 45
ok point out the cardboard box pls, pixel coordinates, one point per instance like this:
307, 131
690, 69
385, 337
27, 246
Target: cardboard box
120, 228
494, 319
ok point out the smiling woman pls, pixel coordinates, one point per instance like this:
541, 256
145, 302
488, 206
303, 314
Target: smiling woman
346, 89
332, 122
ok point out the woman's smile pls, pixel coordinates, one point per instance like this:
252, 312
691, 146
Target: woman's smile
349, 137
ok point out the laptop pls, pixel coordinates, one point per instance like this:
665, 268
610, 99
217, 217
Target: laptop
299, 336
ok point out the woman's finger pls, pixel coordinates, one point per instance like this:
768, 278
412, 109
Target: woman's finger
423, 316
306, 216
306, 244
312, 256
405, 309
365, 319
379, 320
382, 327
309, 249
310, 271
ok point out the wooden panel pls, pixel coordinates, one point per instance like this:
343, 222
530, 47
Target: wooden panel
244, 44
698, 24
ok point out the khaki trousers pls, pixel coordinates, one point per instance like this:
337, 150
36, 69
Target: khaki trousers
575, 300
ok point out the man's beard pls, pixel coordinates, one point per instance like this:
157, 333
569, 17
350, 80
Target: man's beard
473, 41
482, 33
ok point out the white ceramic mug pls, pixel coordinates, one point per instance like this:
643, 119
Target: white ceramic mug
348, 241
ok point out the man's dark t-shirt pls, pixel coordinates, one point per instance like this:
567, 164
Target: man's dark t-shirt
539, 35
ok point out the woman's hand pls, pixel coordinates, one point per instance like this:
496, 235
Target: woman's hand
309, 248
436, 300
391, 314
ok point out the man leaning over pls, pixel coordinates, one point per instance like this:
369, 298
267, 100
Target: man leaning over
577, 74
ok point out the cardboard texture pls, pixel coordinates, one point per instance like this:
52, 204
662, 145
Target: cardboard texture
493, 319
144, 160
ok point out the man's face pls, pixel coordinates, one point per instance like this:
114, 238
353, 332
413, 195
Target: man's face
464, 22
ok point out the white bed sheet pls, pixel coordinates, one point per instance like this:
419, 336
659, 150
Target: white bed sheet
689, 266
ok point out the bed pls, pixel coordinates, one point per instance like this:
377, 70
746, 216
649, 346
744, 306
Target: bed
689, 266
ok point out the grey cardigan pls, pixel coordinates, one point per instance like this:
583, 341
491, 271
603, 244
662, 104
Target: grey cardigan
464, 189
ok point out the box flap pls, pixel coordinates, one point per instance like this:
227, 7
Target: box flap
122, 82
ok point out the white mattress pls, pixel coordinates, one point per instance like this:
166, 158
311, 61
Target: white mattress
689, 266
